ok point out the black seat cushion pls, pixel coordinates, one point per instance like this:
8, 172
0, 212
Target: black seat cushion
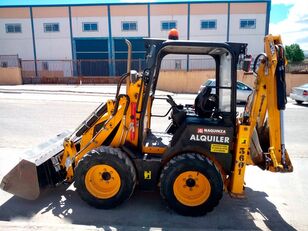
205, 103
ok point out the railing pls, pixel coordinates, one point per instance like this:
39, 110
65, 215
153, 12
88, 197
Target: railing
9, 61
103, 67
78, 68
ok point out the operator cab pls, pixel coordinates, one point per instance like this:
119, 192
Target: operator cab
212, 111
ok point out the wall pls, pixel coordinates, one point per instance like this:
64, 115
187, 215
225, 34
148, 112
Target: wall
189, 82
58, 45
209, 11
52, 45
16, 43
186, 82
81, 14
254, 37
10, 76
168, 12
133, 13
294, 80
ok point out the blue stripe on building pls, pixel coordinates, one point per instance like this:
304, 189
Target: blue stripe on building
268, 13
228, 23
33, 42
149, 20
71, 30
188, 32
110, 46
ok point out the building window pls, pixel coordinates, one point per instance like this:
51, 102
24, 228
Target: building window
89, 26
128, 26
168, 25
208, 24
247, 23
13, 28
51, 27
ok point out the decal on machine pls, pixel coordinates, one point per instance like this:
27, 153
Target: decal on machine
213, 135
147, 175
220, 148
212, 131
209, 138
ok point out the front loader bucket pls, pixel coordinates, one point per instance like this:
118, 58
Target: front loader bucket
22, 181
36, 170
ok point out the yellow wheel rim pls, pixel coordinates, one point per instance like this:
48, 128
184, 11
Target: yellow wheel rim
191, 188
103, 181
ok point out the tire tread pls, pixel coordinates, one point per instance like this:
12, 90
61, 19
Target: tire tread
175, 164
86, 161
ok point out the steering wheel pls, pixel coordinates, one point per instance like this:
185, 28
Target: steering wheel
177, 114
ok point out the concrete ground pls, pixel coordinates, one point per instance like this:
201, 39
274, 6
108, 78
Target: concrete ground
30, 114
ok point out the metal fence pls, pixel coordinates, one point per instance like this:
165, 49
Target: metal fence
79, 68
103, 67
107, 67
9, 61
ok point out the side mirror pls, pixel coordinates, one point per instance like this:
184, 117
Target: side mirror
133, 76
246, 63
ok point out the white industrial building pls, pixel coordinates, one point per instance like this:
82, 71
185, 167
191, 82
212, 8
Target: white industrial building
58, 36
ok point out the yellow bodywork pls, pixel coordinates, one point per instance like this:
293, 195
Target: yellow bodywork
195, 195
241, 155
122, 120
103, 181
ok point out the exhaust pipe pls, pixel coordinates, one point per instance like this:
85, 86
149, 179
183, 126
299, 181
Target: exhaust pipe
129, 61
38, 169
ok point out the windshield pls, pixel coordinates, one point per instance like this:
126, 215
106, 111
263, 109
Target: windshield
225, 82
210, 82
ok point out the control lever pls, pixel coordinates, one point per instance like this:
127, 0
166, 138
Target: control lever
171, 101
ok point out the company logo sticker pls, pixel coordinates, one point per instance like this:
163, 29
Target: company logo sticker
212, 131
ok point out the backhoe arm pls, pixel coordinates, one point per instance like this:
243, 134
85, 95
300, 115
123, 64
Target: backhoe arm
265, 108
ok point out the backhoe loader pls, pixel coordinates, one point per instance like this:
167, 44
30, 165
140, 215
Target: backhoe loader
202, 153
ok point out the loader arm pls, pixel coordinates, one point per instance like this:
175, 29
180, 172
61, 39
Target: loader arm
264, 108
118, 125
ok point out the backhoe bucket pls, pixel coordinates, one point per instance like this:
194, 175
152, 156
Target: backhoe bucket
37, 170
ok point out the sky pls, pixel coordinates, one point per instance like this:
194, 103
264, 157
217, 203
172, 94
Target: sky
289, 18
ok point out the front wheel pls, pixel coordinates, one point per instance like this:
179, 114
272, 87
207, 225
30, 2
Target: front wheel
105, 177
191, 184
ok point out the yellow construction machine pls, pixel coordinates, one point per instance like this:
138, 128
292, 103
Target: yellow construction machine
203, 152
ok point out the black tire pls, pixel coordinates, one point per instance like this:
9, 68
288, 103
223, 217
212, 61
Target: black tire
119, 161
299, 102
181, 164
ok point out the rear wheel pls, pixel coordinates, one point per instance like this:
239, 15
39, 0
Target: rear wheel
105, 177
299, 101
191, 184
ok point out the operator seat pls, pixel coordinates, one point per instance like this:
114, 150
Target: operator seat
206, 103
